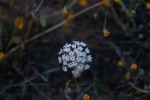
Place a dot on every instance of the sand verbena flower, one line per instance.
(76, 57)
(83, 3)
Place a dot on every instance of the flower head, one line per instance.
(106, 33)
(19, 22)
(83, 3)
(65, 12)
(148, 5)
(133, 66)
(106, 3)
(133, 13)
(86, 96)
(120, 63)
(75, 56)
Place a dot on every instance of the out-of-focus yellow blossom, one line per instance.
(133, 13)
(121, 63)
(127, 76)
(2, 56)
(86, 97)
(19, 22)
(83, 3)
(106, 3)
(133, 66)
(106, 33)
(70, 17)
(148, 5)
(65, 12)
(117, 1)
(66, 25)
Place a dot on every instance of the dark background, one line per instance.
(30, 69)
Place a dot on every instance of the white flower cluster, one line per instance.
(75, 56)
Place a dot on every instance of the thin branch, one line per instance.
(38, 7)
(35, 87)
(117, 18)
(10, 41)
(116, 49)
(5, 88)
(29, 28)
(39, 74)
(31, 21)
(44, 73)
(54, 27)
(138, 89)
(105, 20)
(128, 14)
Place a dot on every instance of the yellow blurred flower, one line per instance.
(19, 22)
(66, 25)
(83, 3)
(2, 56)
(148, 5)
(86, 97)
(65, 12)
(106, 3)
(133, 13)
(117, 1)
(121, 63)
(106, 33)
(70, 17)
(127, 76)
(133, 66)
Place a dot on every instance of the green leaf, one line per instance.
(123, 96)
(65, 9)
(42, 20)
(82, 83)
